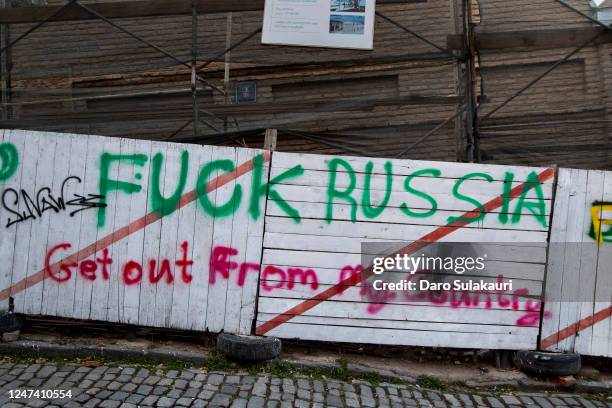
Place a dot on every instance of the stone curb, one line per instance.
(111, 352)
(159, 354)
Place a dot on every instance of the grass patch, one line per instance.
(432, 383)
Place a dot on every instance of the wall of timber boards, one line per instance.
(90, 58)
(565, 118)
(115, 230)
(170, 235)
(579, 281)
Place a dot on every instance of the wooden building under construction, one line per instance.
(522, 82)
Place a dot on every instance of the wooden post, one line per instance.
(270, 140)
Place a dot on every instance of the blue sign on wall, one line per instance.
(246, 91)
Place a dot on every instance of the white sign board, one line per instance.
(320, 23)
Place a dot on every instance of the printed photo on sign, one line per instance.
(354, 6)
(342, 24)
(320, 23)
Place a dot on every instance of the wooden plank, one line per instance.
(202, 244)
(101, 286)
(281, 288)
(59, 224)
(393, 215)
(509, 252)
(475, 329)
(572, 253)
(532, 39)
(338, 260)
(8, 237)
(24, 229)
(601, 340)
(118, 251)
(150, 8)
(406, 233)
(184, 291)
(247, 239)
(147, 315)
(418, 312)
(423, 182)
(422, 338)
(89, 220)
(222, 236)
(138, 205)
(556, 254)
(444, 201)
(588, 265)
(169, 241)
(403, 167)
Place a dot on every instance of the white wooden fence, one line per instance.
(579, 279)
(416, 199)
(183, 236)
(144, 259)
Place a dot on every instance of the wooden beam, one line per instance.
(140, 8)
(42, 119)
(539, 39)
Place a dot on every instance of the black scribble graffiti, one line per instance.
(44, 201)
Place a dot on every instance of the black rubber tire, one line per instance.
(548, 364)
(10, 322)
(248, 348)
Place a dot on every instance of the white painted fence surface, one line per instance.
(163, 253)
(141, 260)
(579, 279)
(312, 249)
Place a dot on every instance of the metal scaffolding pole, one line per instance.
(194, 61)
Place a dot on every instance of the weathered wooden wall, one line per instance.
(165, 253)
(564, 118)
(90, 58)
(202, 249)
(579, 277)
(323, 249)
(144, 259)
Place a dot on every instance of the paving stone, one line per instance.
(191, 392)
(199, 403)
(334, 401)
(143, 372)
(114, 386)
(144, 389)
(303, 394)
(140, 387)
(215, 379)
(119, 396)
(229, 389)
(166, 402)
(184, 402)
(151, 380)
(159, 390)
(543, 402)
(260, 389)
(174, 393)
(206, 395)
(109, 404)
(221, 400)
(239, 403)
(135, 399)
(149, 401)
(46, 371)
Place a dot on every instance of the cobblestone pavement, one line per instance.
(135, 386)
